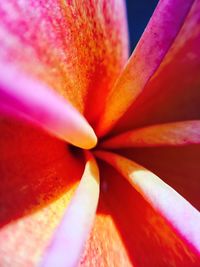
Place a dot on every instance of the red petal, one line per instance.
(38, 175)
(167, 134)
(78, 48)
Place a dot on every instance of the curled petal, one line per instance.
(168, 134)
(24, 97)
(69, 240)
(155, 43)
(181, 215)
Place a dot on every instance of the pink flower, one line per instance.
(74, 112)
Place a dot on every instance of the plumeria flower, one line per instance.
(82, 126)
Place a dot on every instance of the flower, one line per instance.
(63, 80)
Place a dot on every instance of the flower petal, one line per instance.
(43, 107)
(68, 45)
(182, 216)
(172, 93)
(159, 36)
(69, 240)
(38, 177)
(105, 246)
(168, 134)
(178, 166)
(129, 232)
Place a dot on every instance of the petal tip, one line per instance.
(91, 140)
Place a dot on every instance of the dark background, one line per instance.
(139, 13)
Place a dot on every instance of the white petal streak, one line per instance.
(23, 97)
(68, 242)
(168, 134)
(178, 211)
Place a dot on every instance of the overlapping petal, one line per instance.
(67, 45)
(128, 232)
(178, 166)
(162, 75)
(172, 94)
(167, 134)
(76, 47)
(34, 102)
(182, 216)
(69, 240)
(37, 182)
(79, 49)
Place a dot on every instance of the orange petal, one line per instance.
(36, 103)
(128, 232)
(69, 239)
(168, 134)
(159, 36)
(76, 47)
(181, 215)
(172, 93)
(38, 177)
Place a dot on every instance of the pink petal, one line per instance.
(77, 48)
(69, 240)
(182, 216)
(172, 93)
(155, 43)
(34, 101)
(168, 134)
